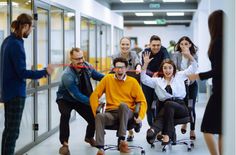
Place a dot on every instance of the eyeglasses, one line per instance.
(78, 59)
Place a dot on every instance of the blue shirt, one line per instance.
(13, 73)
(69, 89)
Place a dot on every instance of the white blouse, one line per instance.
(176, 83)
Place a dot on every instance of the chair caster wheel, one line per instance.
(152, 145)
(192, 144)
(189, 150)
(164, 150)
(142, 152)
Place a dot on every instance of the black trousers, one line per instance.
(85, 111)
(169, 111)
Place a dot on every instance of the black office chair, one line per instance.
(179, 121)
(131, 125)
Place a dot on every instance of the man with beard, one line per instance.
(122, 94)
(13, 75)
(73, 93)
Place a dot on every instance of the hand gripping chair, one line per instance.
(178, 121)
(131, 125)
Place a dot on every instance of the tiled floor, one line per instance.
(79, 147)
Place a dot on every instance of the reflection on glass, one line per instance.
(84, 37)
(18, 7)
(55, 114)
(42, 111)
(56, 42)
(42, 40)
(69, 22)
(26, 132)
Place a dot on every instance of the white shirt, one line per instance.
(176, 83)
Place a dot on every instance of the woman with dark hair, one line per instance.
(182, 63)
(170, 90)
(13, 75)
(212, 119)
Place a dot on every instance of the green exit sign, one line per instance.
(154, 5)
(161, 21)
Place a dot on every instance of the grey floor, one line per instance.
(79, 147)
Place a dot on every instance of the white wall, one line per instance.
(92, 9)
(165, 33)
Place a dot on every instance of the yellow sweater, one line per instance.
(117, 91)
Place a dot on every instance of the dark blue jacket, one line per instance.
(70, 87)
(13, 73)
(155, 64)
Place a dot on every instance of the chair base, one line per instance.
(132, 147)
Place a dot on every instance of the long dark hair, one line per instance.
(215, 24)
(193, 49)
(18, 24)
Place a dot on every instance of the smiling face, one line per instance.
(77, 58)
(155, 46)
(120, 70)
(168, 70)
(124, 45)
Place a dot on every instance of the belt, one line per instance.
(175, 99)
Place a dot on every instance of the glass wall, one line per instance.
(3, 33)
(117, 35)
(49, 42)
(56, 41)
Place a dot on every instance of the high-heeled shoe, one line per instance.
(183, 129)
(165, 142)
(192, 135)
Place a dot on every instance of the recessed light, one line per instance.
(175, 13)
(150, 22)
(144, 14)
(173, 1)
(131, 1)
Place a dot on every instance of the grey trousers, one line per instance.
(122, 115)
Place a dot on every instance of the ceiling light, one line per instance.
(173, 0)
(175, 13)
(144, 14)
(131, 1)
(5, 3)
(150, 22)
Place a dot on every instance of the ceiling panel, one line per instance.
(157, 7)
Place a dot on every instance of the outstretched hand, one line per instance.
(193, 77)
(146, 59)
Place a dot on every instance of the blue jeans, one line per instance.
(13, 114)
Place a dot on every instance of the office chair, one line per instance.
(178, 121)
(131, 125)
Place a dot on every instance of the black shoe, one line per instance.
(130, 138)
(151, 136)
(137, 127)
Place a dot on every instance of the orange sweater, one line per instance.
(117, 91)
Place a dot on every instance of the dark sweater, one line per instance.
(13, 69)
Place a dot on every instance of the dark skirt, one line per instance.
(212, 119)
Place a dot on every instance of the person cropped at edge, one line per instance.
(158, 53)
(182, 63)
(73, 93)
(122, 94)
(212, 119)
(171, 91)
(133, 64)
(13, 75)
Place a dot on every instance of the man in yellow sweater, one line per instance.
(122, 93)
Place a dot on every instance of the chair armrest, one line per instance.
(100, 108)
(137, 109)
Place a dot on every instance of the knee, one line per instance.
(168, 104)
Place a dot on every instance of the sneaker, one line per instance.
(130, 138)
(64, 150)
(123, 147)
(100, 152)
(91, 141)
(137, 127)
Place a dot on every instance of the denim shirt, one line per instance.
(68, 89)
